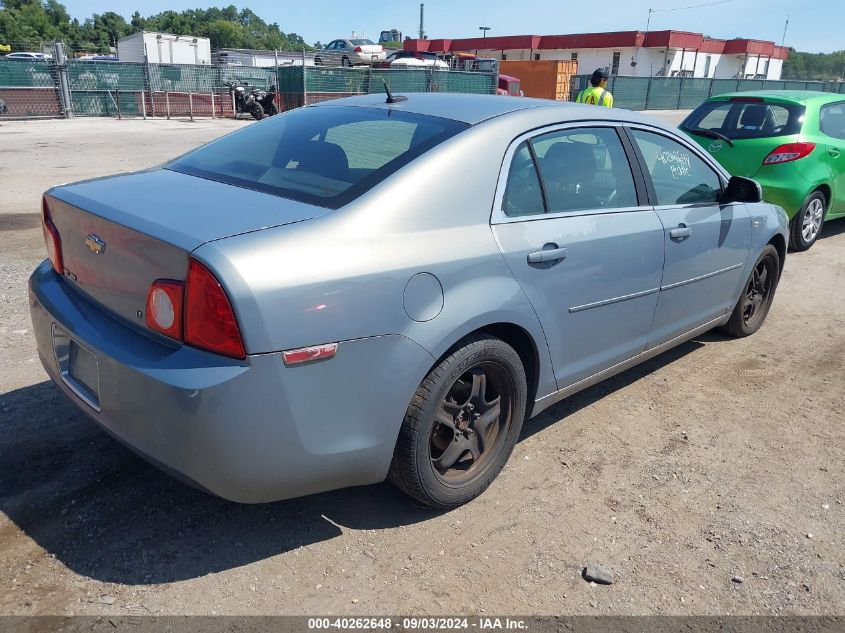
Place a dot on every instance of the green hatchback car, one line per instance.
(791, 142)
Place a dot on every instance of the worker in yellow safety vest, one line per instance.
(597, 93)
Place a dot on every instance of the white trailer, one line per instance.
(164, 48)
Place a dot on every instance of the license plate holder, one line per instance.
(78, 367)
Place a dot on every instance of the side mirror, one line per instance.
(741, 189)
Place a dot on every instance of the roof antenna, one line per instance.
(390, 97)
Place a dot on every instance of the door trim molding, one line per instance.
(678, 284)
(606, 302)
(546, 401)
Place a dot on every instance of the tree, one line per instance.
(223, 34)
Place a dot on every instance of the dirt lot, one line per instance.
(709, 480)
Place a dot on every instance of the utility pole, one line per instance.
(484, 30)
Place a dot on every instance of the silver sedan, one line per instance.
(376, 288)
(353, 52)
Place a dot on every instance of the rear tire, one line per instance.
(346, 63)
(757, 295)
(807, 224)
(462, 424)
(272, 110)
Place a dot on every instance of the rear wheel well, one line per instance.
(524, 345)
(825, 189)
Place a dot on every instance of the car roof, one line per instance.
(797, 96)
(475, 108)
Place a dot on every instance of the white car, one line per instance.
(27, 56)
(411, 61)
(352, 52)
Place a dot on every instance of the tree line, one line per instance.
(25, 24)
(816, 66)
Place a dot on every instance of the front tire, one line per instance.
(462, 424)
(806, 226)
(757, 295)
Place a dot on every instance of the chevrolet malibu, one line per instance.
(379, 288)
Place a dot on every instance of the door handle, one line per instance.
(550, 253)
(680, 233)
(833, 152)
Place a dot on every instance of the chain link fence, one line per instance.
(125, 89)
(685, 93)
(29, 89)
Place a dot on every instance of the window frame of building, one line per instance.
(615, 61)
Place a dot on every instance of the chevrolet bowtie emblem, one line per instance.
(96, 245)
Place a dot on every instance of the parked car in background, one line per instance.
(791, 142)
(413, 59)
(295, 308)
(352, 52)
(27, 56)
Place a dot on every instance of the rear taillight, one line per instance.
(51, 238)
(358, 49)
(789, 152)
(209, 320)
(164, 307)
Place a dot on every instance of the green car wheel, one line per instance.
(805, 227)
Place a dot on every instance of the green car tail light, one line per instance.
(789, 152)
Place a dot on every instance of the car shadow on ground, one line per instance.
(106, 514)
(832, 228)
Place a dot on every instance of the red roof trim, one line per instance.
(618, 39)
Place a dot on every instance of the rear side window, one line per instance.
(832, 120)
(746, 119)
(678, 175)
(325, 156)
(523, 195)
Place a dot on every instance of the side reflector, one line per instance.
(164, 307)
(51, 238)
(306, 354)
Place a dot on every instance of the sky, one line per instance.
(814, 25)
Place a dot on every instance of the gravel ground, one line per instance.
(706, 481)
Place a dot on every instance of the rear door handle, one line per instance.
(680, 233)
(550, 253)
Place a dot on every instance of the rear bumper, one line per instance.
(250, 431)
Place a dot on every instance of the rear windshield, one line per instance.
(362, 42)
(326, 155)
(746, 119)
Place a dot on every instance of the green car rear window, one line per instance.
(326, 156)
(746, 119)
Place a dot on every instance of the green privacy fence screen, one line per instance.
(672, 93)
(87, 88)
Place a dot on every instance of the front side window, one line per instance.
(832, 120)
(326, 155)
(679, 175)
(585, 168)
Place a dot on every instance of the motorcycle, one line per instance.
(256, 102)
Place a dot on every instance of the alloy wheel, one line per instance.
(811, 222)
(471, 424)
(757, 291)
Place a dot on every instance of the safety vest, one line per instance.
(596, 96)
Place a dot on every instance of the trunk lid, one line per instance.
(120, 233)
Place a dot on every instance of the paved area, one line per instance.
(709, 480)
